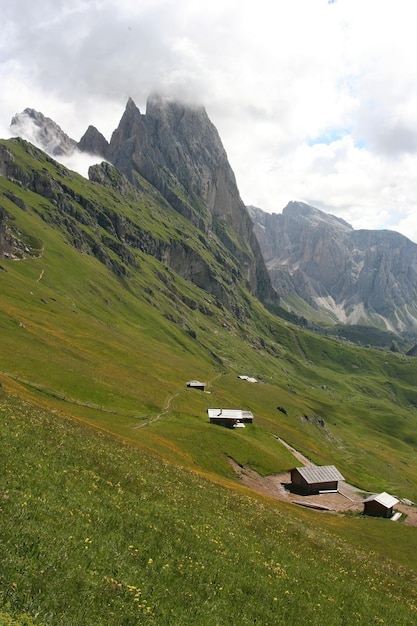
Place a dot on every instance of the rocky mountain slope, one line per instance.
(178, 151)
(346, 275)
(319, 265)
(43, 132)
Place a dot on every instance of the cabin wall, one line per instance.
(227, 423)
(376, 509)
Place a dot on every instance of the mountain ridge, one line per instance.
(43, 131)
(320, 266)
(177, 149)
(349, 276)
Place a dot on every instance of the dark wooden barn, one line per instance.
(315, 478)
(380, 505)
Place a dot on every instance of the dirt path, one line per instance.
(167, 404)
(298, 455)
(165, 410)
(298, 344)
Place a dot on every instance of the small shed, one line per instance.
(229, 417)
(380, 505)
(195, 384)
(315, 478)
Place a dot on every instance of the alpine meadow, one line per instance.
(120, 503)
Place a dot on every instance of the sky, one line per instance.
(314, 100)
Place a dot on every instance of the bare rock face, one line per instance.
(412, 352)
(6, 161)
(358, 276)
(5, 240)
(178, 150)
(47, 135)
(42, 131)
(15, 243)
(94, 142)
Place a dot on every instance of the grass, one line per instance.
(96, 532)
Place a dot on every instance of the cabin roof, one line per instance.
(319, 473)
(225, 413)
(383, 498)
(232, 414)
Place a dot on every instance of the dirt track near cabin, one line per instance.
(348, 498)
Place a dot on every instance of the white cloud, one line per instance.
(80, 162)
(314, 100)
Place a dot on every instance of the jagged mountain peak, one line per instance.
(189, 130)
(94, 142)
(130, 127)
(311, 215)
(177, 149)
(130, 105)
(43, 132)
(174, 112)
(131, 114)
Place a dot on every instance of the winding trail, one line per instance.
(167, 405)
(298, 344)
(165, 410)
(60, 396)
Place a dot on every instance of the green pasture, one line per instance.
(95, 531)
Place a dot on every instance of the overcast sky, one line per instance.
(314, 100)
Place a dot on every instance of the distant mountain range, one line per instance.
(315, 264)
(344, 275)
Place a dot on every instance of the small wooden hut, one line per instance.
(380, 505)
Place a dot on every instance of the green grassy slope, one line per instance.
(114, 349)
(96, 532)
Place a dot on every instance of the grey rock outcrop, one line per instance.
(5, 242)
(94, 142)
(43, 132)
(177, 149)
(412, 352)
(353, 276)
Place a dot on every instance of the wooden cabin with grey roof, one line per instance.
(315, 478)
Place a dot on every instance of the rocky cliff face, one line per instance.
(5, 243)
(42, 131)
(178, 151)
(94, 142)
(354, 276)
